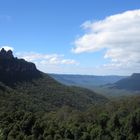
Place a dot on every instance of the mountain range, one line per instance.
(35, 87)
(86, 80)
(130, 83)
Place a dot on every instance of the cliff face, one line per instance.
(13, 69)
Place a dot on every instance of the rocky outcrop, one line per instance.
(14, 70)
(6, 54)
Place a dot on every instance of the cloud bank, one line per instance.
(118, 34)
(46, 59)
(52, 63)
(49, 63)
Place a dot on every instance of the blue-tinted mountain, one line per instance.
(130, 83)
(87, 81)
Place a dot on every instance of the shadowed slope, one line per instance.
(130, 83)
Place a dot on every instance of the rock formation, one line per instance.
(13, 69)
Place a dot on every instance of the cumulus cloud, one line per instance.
(118, 34)
(47, 59)
(52, 63)
(7, 48)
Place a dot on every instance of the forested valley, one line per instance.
(34, 106)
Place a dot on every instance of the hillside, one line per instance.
(33, 87)
(23, 117)
(131, 83)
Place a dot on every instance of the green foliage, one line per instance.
(46, 110)
(1, 135)
(66, 123)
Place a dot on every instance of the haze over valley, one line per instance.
(69, 70)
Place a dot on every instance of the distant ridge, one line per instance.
(13, 69)
(130, 83)
(87, 81)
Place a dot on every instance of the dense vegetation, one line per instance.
(115, 120)
(34, 100)
(36, 107)
(46, 94)
(43, 109)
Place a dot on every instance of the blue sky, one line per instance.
(46, 32)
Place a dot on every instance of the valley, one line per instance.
(39, 106)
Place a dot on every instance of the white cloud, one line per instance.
(49, 63)
(52, 63)
(7, 48)
(118, 34)
(47, 59)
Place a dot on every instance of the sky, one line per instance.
(93, 37)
